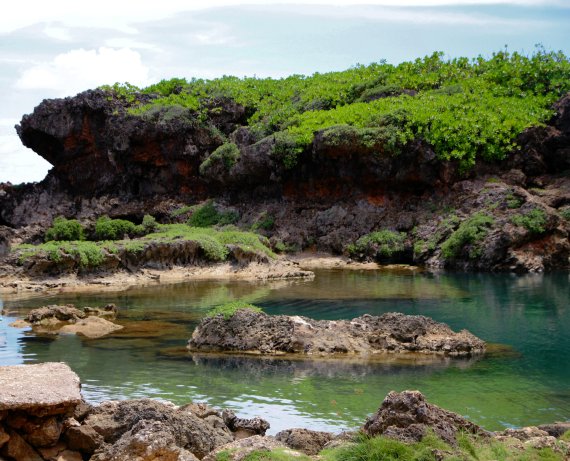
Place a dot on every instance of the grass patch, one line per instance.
(265, 222)
(383, 243)
(470, 232)
(533, 221)
(90, 254)
(229, 309)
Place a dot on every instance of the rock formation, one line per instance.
(258, 333)
(87, 321)
(107, 161)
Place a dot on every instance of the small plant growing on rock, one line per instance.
(229, 309)
(207, 215)
(225, 156)
(264, 222)
(64, 229)
(534, 221)
(383, 243)
(565, 214)
(113, 229)
(470, 232)
(148, 225)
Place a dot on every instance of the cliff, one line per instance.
(130, 155)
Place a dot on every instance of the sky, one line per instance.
(59, 48)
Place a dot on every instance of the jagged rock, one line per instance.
(243, 428)
(254, 332)
(407, 416)
(146, 441)
(52, 453)
(39, 390)
(82, 411)
(68, 313)
(114, 419)
(305, 440)
(83, 438)
(17, 448)
(239, 449)
(555, 429)
(43, 432)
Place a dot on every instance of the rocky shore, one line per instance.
(43, 418)
(249, 332)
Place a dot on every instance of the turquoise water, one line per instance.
(525, 381)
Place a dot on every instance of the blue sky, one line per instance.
(58, 48)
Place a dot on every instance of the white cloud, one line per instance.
(58, 33)
(122, 15)
(78, 70)
(19, 164)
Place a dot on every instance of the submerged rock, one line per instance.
(87, 321)
(407, 416)
(258, 333)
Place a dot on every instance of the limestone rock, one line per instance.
(83, 438)
(114, 419)
(40, 390)
(243, 428)
(256, 332)
(44, 432)
(19, 449)
(407, 416)
(91, 327)
(305, 440)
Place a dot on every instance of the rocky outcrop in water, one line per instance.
(252, 332)
(91, 322)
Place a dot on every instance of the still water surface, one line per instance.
(524, 382)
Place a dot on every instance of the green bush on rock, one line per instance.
(113, 229)
(470, 232)
(383, 243)
(533, 221)
(225, 156)
(64, 229)
(207, 215)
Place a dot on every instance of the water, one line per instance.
(525, 381)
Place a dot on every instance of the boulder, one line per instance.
(39, 390)
(243, 428)
(112, 420)
(305, 440)
(17, 448)
(256, 332)
(407, 416)
(83, 438)
(91, 327)
(555, 429)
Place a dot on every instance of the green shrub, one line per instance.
(207, 215)
(225, 156)
(264, 222)
(533, 221)
(63, 229)
(514, 201)
(383, 243)
(113, 229)
(149, 224)
(288, 148)
(229, 309)
(182, 210)
(565, 214)
(90, 254)
(470, 232)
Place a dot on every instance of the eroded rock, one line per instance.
(239, 449)
(305, 440)
(407, 416)
(254, 332)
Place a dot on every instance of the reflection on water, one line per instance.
(523, 382)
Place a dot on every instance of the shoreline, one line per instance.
(298, 266)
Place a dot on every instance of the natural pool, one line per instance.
(526, 383)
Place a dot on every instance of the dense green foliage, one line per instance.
(64, 229)
(466, 109)
(215, 244)
(470, 232)
(113, 229)
(226, 156)
(229, 309)
(533, 221)
(207, 215)
(383, 243)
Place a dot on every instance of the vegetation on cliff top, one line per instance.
(466, 109)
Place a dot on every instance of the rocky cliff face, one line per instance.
(107, 161)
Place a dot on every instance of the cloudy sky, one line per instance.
(58, 48)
